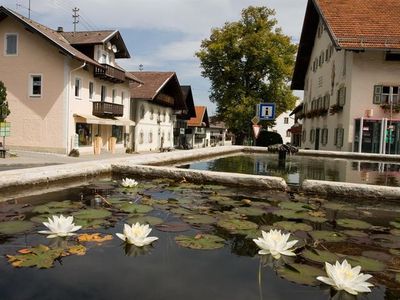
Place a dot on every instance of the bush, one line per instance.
(268, 138)
(74, 153)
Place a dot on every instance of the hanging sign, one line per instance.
(266, 111)
(256, 130)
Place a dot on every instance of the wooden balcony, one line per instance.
(109, 73)
(107, 109)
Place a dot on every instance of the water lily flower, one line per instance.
(344, 277)
(129, 183)
(60, 226)
(275, 243)
(137, 235)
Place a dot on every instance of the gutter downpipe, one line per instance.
(69, 140)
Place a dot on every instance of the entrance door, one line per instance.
(317, 138)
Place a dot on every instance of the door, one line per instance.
(317, 138)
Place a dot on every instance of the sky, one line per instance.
(161, 35)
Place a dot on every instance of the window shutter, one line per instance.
(377, 94)
(312, 135)
(342, 96)
(335, 138)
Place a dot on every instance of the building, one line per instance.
(182, 118)
(153, 109)
(283, 123)
(297, 128)
(197, 134)
(64, 88)
(218, 132)
(348, 65)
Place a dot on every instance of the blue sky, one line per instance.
(163, 35)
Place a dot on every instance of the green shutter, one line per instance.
(335, 139)
(341, 98)
(377, 94)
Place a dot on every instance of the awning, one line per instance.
(90, 119)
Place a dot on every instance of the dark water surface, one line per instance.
(298, 168)
(166, 270)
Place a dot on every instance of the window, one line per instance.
(141, 137)
(169, 136)
(103, 93)
(304, 136)
(339, 133)
(122, 98)
(288, 133)
(164, 116)
(150, 137)
(324, 136)
(158, 116)
(312, 135)
(11, 44)
(341, 96)
(114, 94)
(84, 132)
(117, 132)
(286, 120)
(142, 112)
(35, 83)
(91, 90)
(78, 85)
(327, 99)
(386, 94)
(152, 114)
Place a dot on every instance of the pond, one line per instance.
(298, 168)
(205, 248)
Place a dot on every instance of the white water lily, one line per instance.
(344, 277)
(275, 243)
(60, 226)
(129, 183)
(137, 235)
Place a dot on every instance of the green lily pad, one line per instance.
(224, 201)
(395, 224)
(386, 240)
(328, 236)
(40, 218)
(14, 227)
(92, 213)
(337, 206)
(134, 208)
(200, 241)
(91, 223)
(367, 264)
(355, 233)
(199, 219)
(301, 215)
(173, 227)
(293, 226)
(145, 220)
(353, 223)
(249, 211)
(381, 256)
(41, 257)
(181, 211)
(260, 204)
(296, 206)
(117, 200)
(301, 274)
(55, 207)
(319, 256)
(233, 225)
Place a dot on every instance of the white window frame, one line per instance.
(103, 96)
(30, 85)
(5, 43)
(79, 96)
(91, 93)
(286, 120)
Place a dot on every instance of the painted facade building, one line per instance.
(348, 65)
(197, 135)
(283, 123)
(64, 88)
(182, 118)
(154, 103)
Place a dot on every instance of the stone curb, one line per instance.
(351, 190)
(196, 176)
(350, 155)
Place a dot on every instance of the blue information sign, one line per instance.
(266, 111)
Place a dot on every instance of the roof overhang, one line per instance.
(90, 119)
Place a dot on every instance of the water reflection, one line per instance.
(132, 250)
(298, 168)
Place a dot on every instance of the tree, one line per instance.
(4, 111)
(248, 62)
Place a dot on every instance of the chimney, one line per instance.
(60, 29)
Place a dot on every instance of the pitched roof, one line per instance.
(352, 25)
(188, 96)
(201, 119)
(53, 36)
(153, 83)
(87, 37)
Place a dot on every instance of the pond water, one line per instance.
(364, 233)
(298, 168)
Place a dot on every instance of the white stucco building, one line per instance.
(348, 65)
(283, 123)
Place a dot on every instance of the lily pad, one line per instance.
(355, 233)
(296, 206)
(133, 208)
(367, 264)
(40, 218)
(301, 273)
(91, 223)
(224, 201)
(92, 213)
(381, 256)
(173, 227)
(353, 223)
(319, 256)
(79, 250)
(232, 225)
(14, 227)
(249, 211)
(395, 224)
(56, 207)
(301, 215)
(181, 211)
(200, 241)
(41, 257)
(293, 226)
(328, 236)
(145, 220)
(337, 206)
(199, 219)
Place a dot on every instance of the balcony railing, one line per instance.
(107, 109)
(200, 130)
(109, 73)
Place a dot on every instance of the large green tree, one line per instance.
(248, 62)
(4, 111)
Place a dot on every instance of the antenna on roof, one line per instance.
(75, 16)
(18, 5)
(141, 67)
